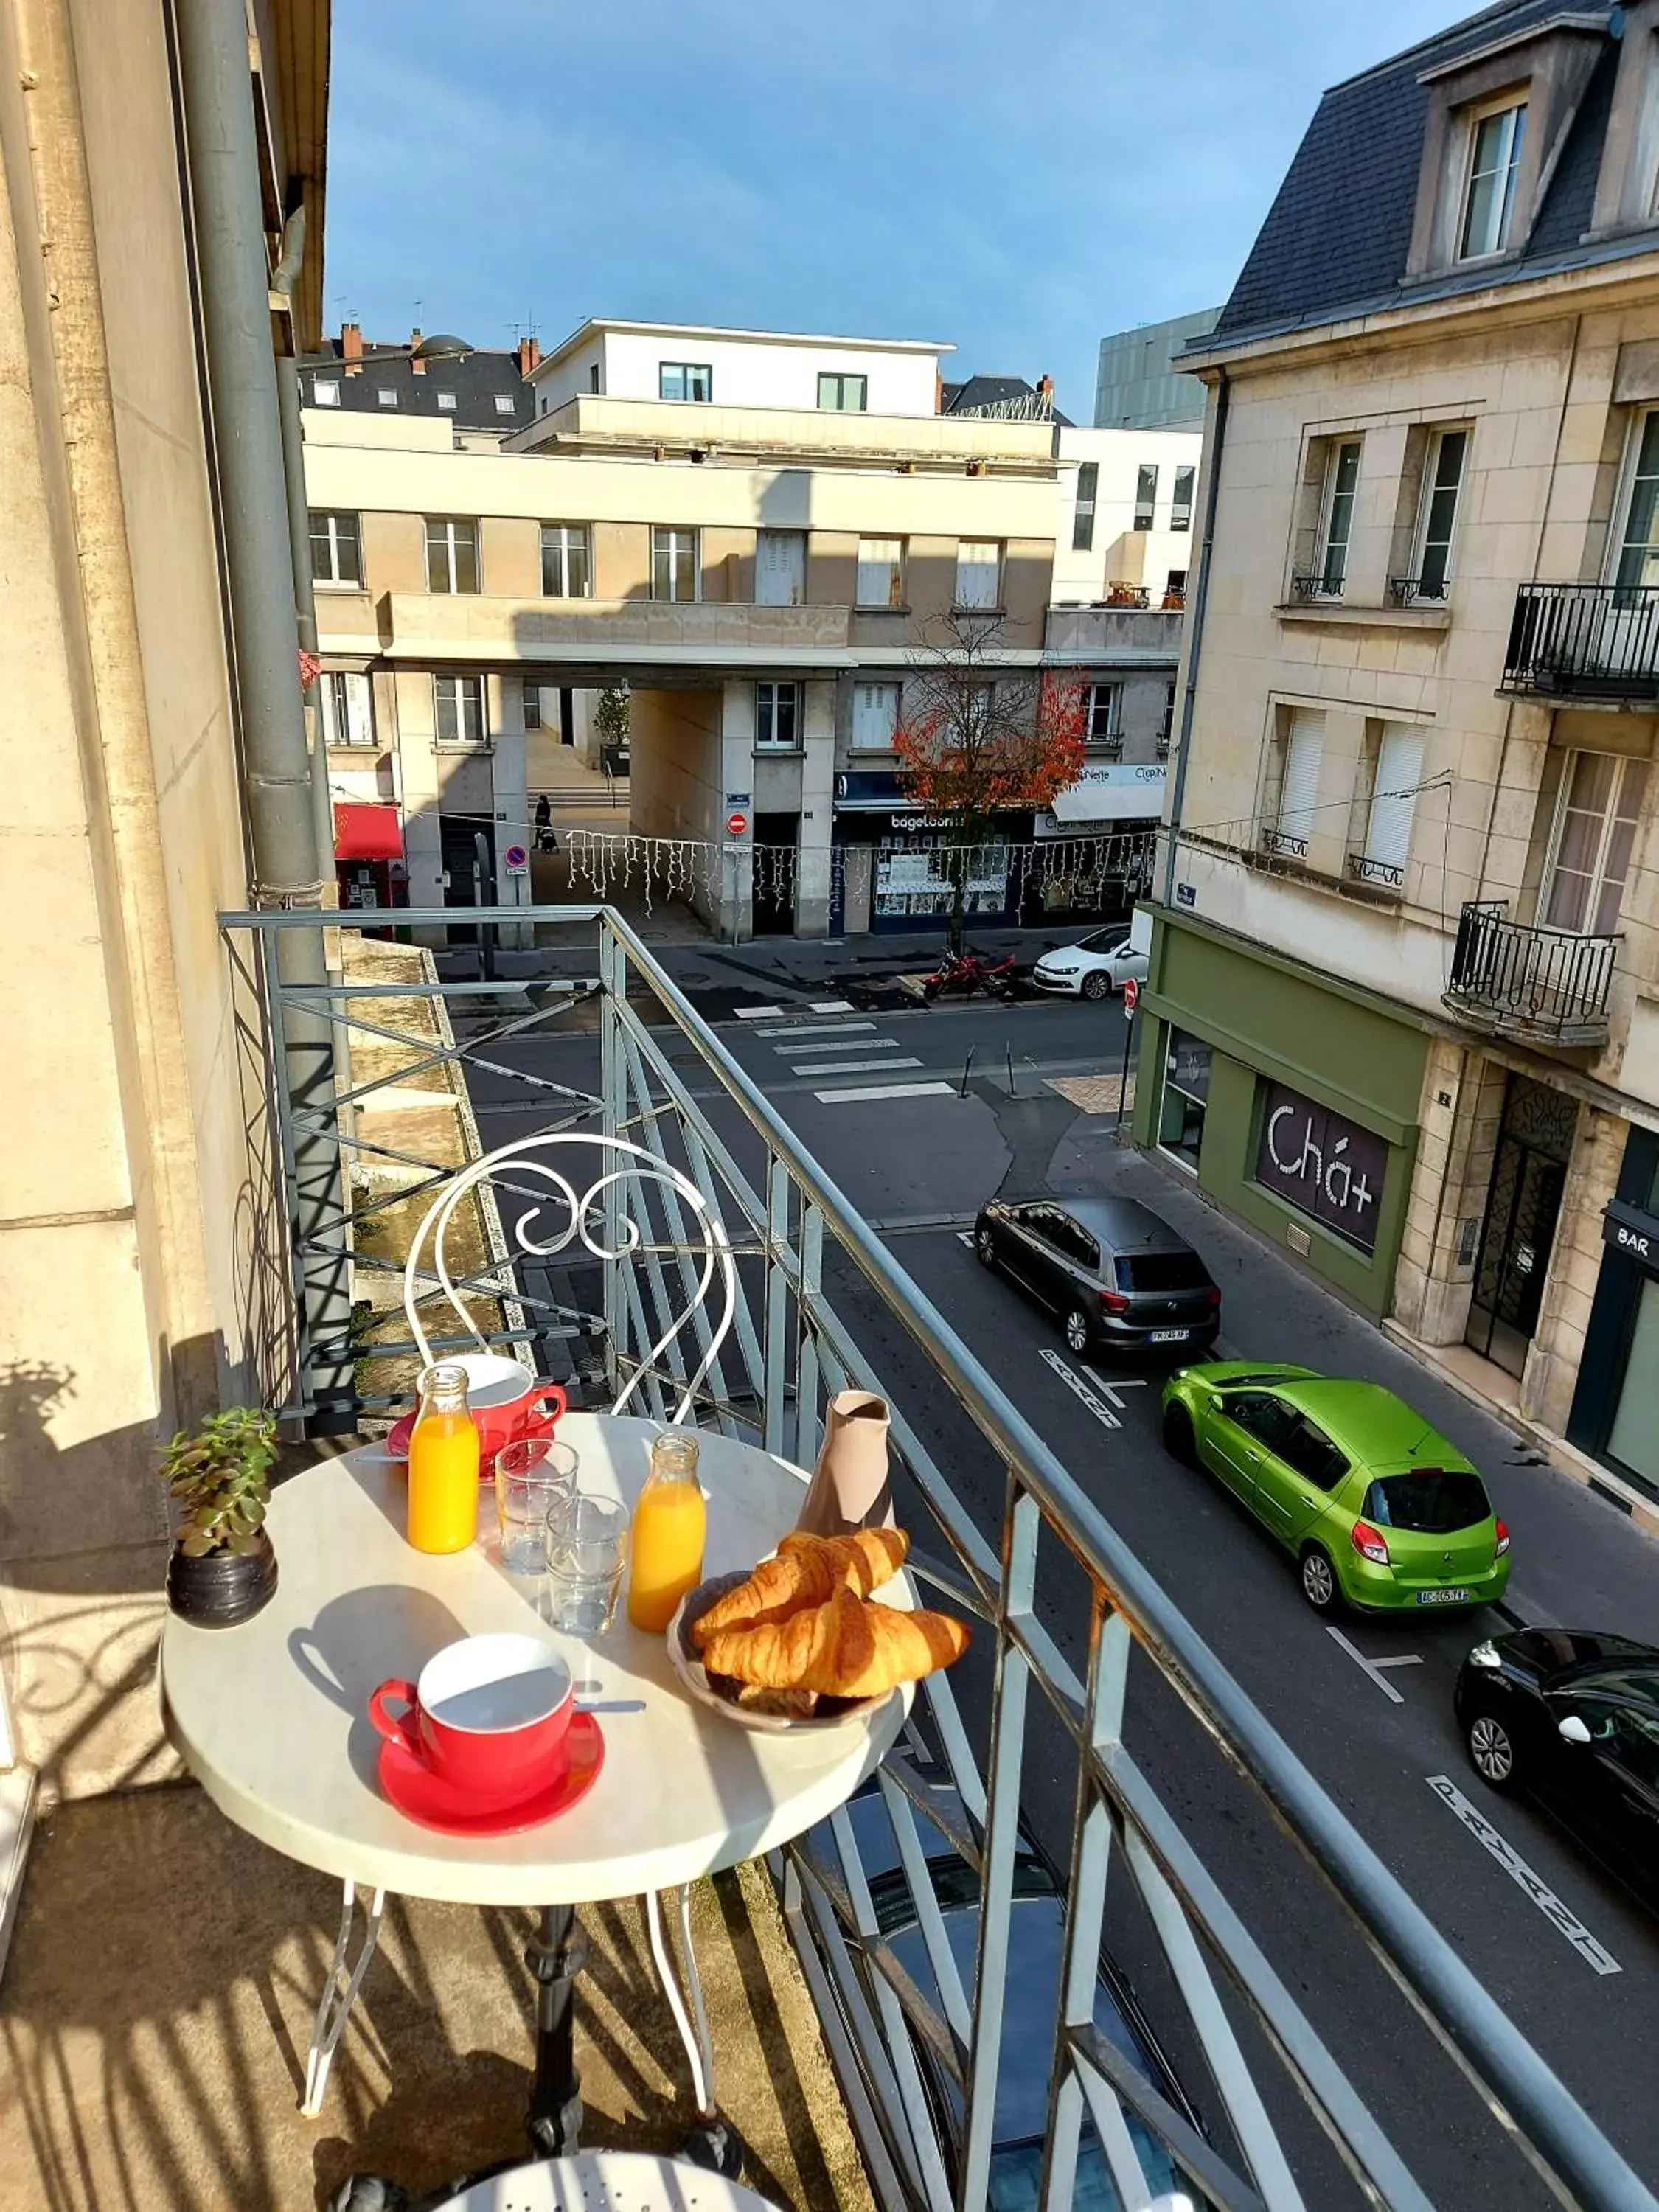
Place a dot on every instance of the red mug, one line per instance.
(506, 1404)
(489, 1716)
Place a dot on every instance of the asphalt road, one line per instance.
(1367, 1709)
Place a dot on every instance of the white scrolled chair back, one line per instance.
(632, 1164)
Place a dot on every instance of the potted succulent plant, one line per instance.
(222, 1570)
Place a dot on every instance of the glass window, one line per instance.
(1341, 481)
(1166, 728)
(1430, 1502)
(1310, 1452)
(979, 575)
(1633, 1439)
(1186, 1094)
(386, 395)
(1074, 1240)
(676, 571)
(566, 573)
(1595, 830)
(1146, 494)
(446, 403)
(1638, 550)
(594, 376)
(1104, 726)
(1260, 1414)
(777, 716)
(334, 558)
(505, 404)
(347, 708)
(1181, 503)
(881, 572)
(1162, 1271)
(458, 710)
(683, 379)
(1083, 517)
(846, 395)
(1489, 196)
(324, 392)
(1442, 481)
(452, 555)
(875, 716)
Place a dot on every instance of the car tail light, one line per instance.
(1113, 1302)
(1213, 1295)
(1503, 1538)
(1369, 1543)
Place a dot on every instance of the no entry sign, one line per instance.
(736, 824)
(1131, 994)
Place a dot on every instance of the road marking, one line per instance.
(1564, 1919)
(824, 1044)
(1374, 1667)
(855, 1066)
(832, 1006)
(1122, 1383)
(815, 1029)
(965, 1236)
(1074, 1382)
(884, 1090)
(762, 1013)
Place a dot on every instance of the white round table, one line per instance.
(607, 2181)
(272, 1717)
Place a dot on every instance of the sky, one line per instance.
(1018, 177)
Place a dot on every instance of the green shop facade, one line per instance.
(1293, 1098)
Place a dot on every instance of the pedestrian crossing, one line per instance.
(851, 1045)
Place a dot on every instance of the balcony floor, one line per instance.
(156, 2009)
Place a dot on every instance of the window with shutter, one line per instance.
(780, 568)
(1394, 798)
(875, 716)
(1298, 789)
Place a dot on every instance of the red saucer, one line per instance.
(422, 1796)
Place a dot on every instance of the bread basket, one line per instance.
(834, 1712)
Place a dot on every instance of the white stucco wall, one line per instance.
(749, 369)
(1119, 551)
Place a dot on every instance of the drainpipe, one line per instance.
(234, 280)
(304, 601)
(1195, 639)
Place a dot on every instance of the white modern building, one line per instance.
(697, 364)
(1126, 516)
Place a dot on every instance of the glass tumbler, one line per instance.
(532, 1474)
(587, 1554)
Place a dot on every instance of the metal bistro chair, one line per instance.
(631, 1165)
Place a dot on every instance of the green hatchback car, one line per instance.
(1377, 1507)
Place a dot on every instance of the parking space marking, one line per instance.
(965, 1236)
(1120, 1383)
(1562, 1916)
(1374, 1667)
(1075, 1383)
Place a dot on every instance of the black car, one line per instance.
(1572, 1719)
(1118, 1277)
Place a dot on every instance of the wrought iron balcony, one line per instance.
(1544, 986)
(1280, 844)
(1311, 584)
(1584, 641)
(1037, 1735)
(1381, 875)
(1418, 591)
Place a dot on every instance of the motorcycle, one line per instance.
(968, 972)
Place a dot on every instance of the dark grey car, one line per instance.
(1118, 1277)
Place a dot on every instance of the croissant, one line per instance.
(845, 1648)
(807, 1570)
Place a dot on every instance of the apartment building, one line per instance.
(1140, 384)
(1405, 977)
(757, 533)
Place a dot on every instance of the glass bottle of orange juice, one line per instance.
(670, 1525)
(443, 1464)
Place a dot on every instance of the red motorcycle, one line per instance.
(968, 972)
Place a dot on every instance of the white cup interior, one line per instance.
(492, 1685)
(493, 1381)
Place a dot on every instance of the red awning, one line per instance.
(364, 832)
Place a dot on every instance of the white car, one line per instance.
(1098, 964)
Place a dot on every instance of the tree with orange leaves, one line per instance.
(979, 738)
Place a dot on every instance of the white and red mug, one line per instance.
(506, 1404)
(489, 1716)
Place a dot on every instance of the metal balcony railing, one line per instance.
(1046, 1709)
(1545, 986)
(1418, 591)
(1584, 640)
(1381, 875)
(1310, 585)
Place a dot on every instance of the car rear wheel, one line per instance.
(985, 1247)
(1098, 984)
(1077, 1331)
(1492, 1751)
(1319, 1584)
(1178, 1439)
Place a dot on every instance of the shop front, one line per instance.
(368, 856)
(1293, 1102)
(891, 866)
(1615, 1408)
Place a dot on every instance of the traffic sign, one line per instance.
(737, 824)
(517, 857)
(1131, 998)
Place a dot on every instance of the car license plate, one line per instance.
(1443, 1597)
(1168, 1335)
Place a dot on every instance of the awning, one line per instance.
(1115, 792)
(365, 832)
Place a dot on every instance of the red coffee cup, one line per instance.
(506, 1404)
(489, 1716)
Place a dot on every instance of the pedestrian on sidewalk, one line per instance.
(545, 840)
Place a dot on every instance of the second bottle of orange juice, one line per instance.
(443, 1464)
(671, 1524)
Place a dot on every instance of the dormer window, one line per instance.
(1495, 144)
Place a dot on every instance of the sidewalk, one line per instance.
(1579, 1562)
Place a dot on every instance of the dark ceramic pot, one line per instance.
(221, 1588)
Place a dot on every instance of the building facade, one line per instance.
(758, 535)
(1140, 384)
(1405, 977)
